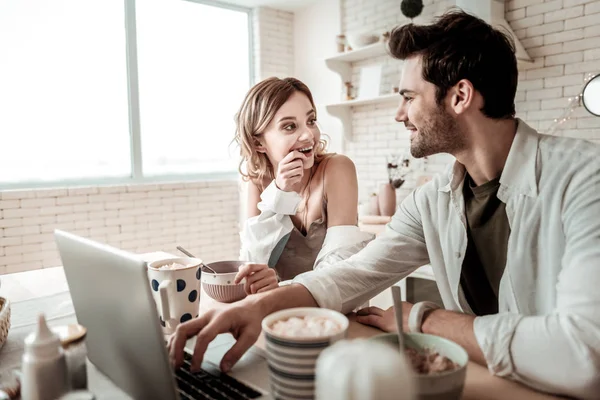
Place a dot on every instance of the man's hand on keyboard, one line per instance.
(242, 320)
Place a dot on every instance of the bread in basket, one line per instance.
(4, 320)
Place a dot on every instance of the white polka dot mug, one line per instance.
(175, 284)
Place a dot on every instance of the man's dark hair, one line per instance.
(461, 46)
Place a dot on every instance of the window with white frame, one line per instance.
(119, 90)
(193, 73)
(63, 90)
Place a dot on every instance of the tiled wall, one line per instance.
(203, 217)
(563, 36)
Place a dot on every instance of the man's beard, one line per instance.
(438, 134)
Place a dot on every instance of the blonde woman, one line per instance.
(302, 201)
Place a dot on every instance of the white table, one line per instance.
(46, 291)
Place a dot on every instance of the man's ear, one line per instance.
(462, 96)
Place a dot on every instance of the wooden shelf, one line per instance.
(372, 50)
(384, 98)
(343, 110)
(341, 64)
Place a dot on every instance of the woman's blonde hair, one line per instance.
(256, 113)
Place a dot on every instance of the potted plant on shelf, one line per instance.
(398, 166)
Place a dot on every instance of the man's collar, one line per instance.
(456, 175)
(518, 175)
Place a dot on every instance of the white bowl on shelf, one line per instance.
(356, 40)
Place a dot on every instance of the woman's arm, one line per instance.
(343, 238)
(341, 191)
(263, 233)
(253, 199)
(259, 277)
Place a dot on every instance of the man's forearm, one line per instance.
(456, 327)
(289, 296)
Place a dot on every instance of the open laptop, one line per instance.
(112, 299)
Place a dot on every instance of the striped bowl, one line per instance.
(220, 286)
(292, 361)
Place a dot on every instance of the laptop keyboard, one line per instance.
(210, 383)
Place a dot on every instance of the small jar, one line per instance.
(72, 338)
(43, 364)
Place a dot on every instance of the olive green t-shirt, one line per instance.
(487, 232)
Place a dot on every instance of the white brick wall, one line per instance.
(201, 217)
(375, 133)
(273, 43)
(565, 48)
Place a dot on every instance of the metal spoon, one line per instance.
(398, 311)
(187, 253)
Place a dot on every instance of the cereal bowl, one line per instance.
(447, 385)
(220, 286)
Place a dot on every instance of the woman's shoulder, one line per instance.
(334, 163)
(339, 172)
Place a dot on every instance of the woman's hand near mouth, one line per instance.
(290, 171)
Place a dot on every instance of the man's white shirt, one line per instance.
(547, 331)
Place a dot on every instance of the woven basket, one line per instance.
(4, 320)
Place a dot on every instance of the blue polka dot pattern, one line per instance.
(193, 296)
(186, 317)
(180, 285)
(155, 285)
(198, 274)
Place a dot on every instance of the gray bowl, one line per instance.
(437, 386)
(220, 286)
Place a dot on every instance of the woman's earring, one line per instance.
(259, 147)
